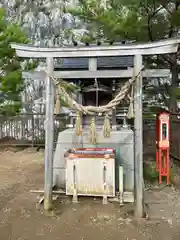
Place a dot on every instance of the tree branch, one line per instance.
(150, 16)
(163, 96)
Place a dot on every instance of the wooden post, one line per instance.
(114, 123)
(49, 137)
(92, 64)
(121, 185)
(92, 67)
(139, 182)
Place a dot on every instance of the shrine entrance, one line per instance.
(131, 90)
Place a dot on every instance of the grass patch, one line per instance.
(152, 176)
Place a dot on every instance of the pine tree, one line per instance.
(141, 21)
(11, 81)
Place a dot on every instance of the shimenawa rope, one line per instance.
(94, 110)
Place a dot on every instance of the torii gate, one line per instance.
(92, 52)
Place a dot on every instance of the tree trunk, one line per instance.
(173, 106)
(174, 85)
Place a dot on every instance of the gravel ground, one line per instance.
(22, 219)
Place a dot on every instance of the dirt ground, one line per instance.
(21, 218)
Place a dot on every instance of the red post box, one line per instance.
(162, 146)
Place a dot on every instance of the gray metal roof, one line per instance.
(102, 63)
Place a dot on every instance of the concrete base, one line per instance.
(122, 140)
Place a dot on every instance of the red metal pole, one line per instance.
(157, 159)
(168, 168)
(160, 166)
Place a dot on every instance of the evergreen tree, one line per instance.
(140, 21)
(11, 81)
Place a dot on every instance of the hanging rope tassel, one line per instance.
(58, 104)
(106, 127)
(130, 113)
(92, 131)
(78, 125)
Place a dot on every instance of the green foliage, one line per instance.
(139, 20)
(10, 108)
(113, 22)
(172, 176)
(11, 81)
(152, 176)
(70, 89)
(177, 93)
(150, 173)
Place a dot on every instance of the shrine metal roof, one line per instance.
(102, 63)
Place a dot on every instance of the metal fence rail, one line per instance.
(28, 130)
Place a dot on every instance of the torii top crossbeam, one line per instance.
(160, 47)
